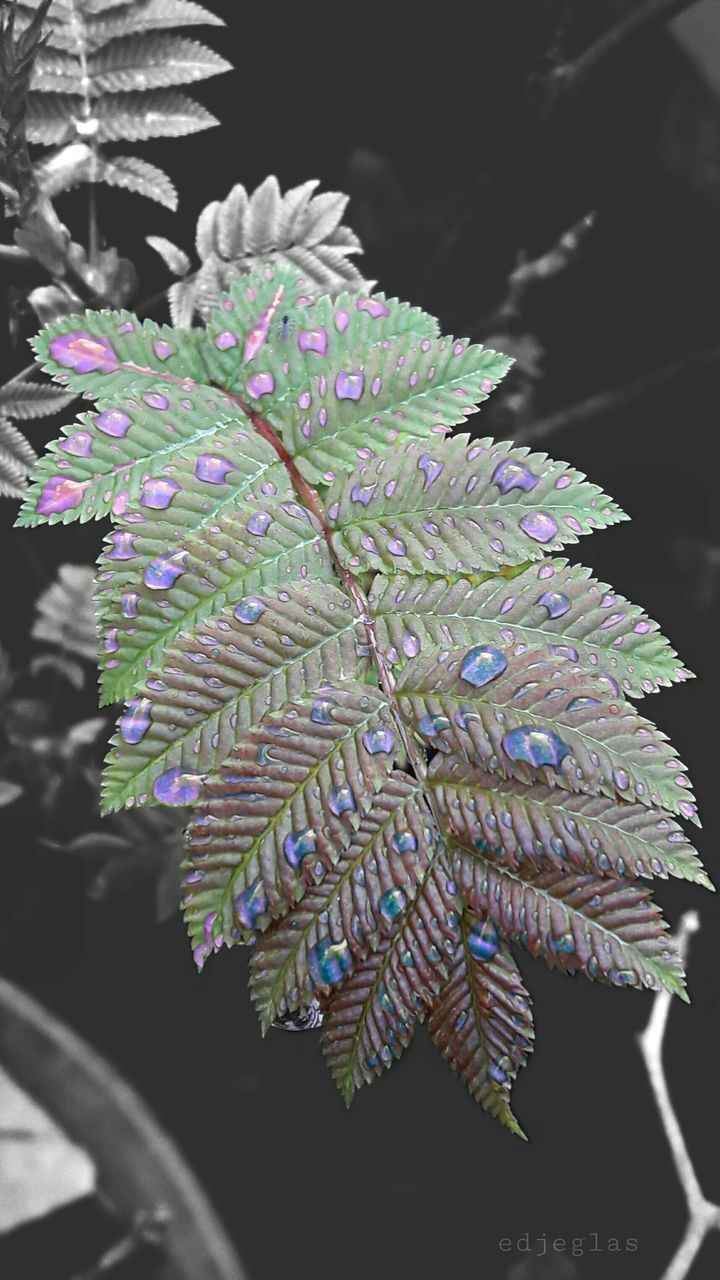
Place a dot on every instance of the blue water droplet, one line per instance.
(258, 524)
(322, 711)
(177, 786)
(404, 842)
(535, 746)
(379, 740)
(482, 664)
(622, 977)
(251, 904)
(483, 941)
(497, 1074)
(461, 1020)
(297, 845)
(555, 602)
(392, 904)
(342, 800)
(249, 609)
(430, 726)
(563, 943)
(135, 721)
(579, 704)
(329, 961)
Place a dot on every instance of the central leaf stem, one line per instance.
(311, 500)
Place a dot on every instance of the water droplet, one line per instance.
(481, 665)
(79, 444)
(122, 545)
(329, 961)
(483, 940)
(379, 740)
(258, 524)
(129, 604)
(212, 468)
(404, 842)
(392, 904)
(396, 547)
(562, 943)
(158, 493)
(514, 475)
(374, 307)
(177, 786)
(362, 493)
(165, 570)
(249, 609)
(135, 721)
(313, 340)
(260, 384)
(540, 526)
(350, 386)
(226, 339)
(251, 904)
(81, 351)
(322, 711)
(297, 845)
(580, 703)
(410, 644)
(60, 494)
(555, 602)
(342, 800)
(535, 746)
(432, 469)
(156, 401)
(621, 779)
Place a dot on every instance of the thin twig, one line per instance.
(584, 411)
(654, 13)
(703, 1215)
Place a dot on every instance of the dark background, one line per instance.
(407, 107)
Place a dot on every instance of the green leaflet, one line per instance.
(257, 830)
(102, 462)
(610, 930)
(548, 827)
(556, 725)
(483, 1026)
(217, 681)
(399, 390)
(268, 338)
(461, 506)
(112, 353)
(380, 868)
(554, 604)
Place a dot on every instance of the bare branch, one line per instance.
(703, 1215)
(584, 411)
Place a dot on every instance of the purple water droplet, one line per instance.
(113, 422)
(260, 384)
(110, 643)
(555, 602)
(156, 400)
(80, 444)
(540, 526)
(404, 842)
(60, 494)
(249, 609)
(79, 350)
(481, 665)
(177, 786)
(374, 307)
(251, 904)
(431, 468)
(580, 703)
(226, 339)
(258, 524)
(158, 493)
(122, 545)
(362, 493)
(410, 644)
(621, 779)
(313, 340)
(379, 741)
(342, 800)
(342, 320)
(509, 474)
(298, 845)
(135, 721)
(642, 627)
(163, 350)
(322, 711)
(396, 547)
(212, 469)
(129, 605)
(163, 571)
(350, 386)
(535, 746)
